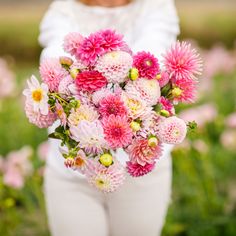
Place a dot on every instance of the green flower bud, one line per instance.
(133, 74)
(106, 159)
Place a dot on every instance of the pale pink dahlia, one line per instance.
(112, 104)
(91, 49)
(90, 81)
(184, 90)
(136, 170)
(105, 179)
(172, 130)
(52, 73)
(115, 66)
(147, 90)
(146, 64)
(36, 118)
(64, 84)
(90, 136)
(100, 94)
(72, 43)
(140, 152)
(117, 131)
(166, 105)
(181, 60)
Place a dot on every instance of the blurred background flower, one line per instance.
(204, 177)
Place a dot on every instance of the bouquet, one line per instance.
(108, 98)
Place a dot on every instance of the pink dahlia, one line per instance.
(184, 90)
(182, 61)
(52, 73)
(115, 66)
(64, 84)
(117, 131)
(36, 118)
(164, 79)
(140, 152)
(112, 104)
(136, 170)
(100, 94)
(172, 130)
(112, 41)
(72, 43)
(91, 49)
(166, 105)
(105, 179)
(90, 81)
(146, 64)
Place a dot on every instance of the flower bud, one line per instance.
(135, 126)
(106, 159)
(152, 141)
(66, 61)
(69, 162)
(133, 74)
(164, 113)
(74, 72)
(158, 76)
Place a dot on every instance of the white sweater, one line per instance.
(150, 25)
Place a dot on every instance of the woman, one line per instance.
(139, 207)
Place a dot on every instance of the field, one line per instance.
(204, 177)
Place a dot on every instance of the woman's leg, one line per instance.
(139, 207)
(74, 208)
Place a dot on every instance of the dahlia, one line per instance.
(90, 81)
(136, 170)
(117, 131)
(166, 105)
(163, 79)
(148, 90)
(90, 49)
(72, 43)
(64, 84)
(37, 95)
(100, 94)
(38, 119)
(112, 41)
(182, 61)
(52, 73)
(140, 152)
(172, 130)
(146, 64)
(115, 66)
(84, 112)
(112, 104)
(89, 135)
(184, 90)
(105, 179)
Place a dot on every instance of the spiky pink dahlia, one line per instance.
(105, 179)
(184, 90)
(90, 81)
(52, 73)
(182, 61)
(36, 118)
(91, 49)
(72, 43)
(147, 65)
(172, 130)
(115, 66)
(140, 152)
(136, 170)
(117, 131)
(112, 104)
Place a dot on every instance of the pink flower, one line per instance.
(184, 90)
(90, 81)
(228, 140)
(146, 64)
(64, 84)
(105, 179)
(166, 105)
(117, 131)
(52, 73)
(136, 170)
(91, 49)
(115, 66)
(141, 153)
(164, 79)
(100, 94)
(43, 150)
(72, 42)
(112, 104)
(36, 118)
(172, 130)
(182, 61)
(61, 114)
(231, 120)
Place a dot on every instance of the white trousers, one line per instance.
(138, 208)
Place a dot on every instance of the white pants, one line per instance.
(138, 208)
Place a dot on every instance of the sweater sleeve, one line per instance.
(158, 26)
(56, 23)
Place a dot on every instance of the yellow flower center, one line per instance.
(176, 92)
(37, 95)
(134, 105)
(79, 162)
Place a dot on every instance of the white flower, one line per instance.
(36, 94)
